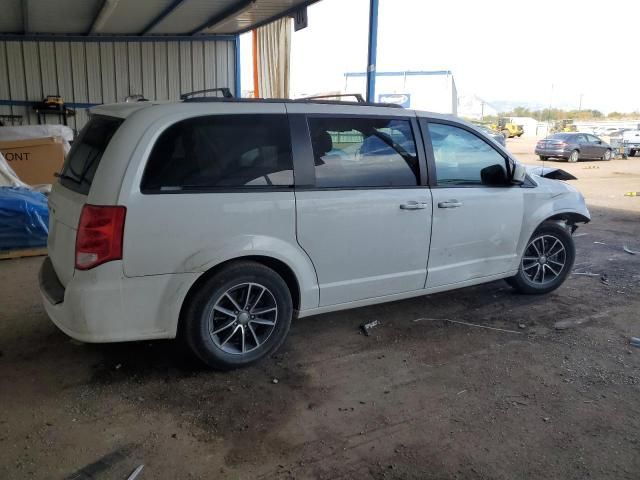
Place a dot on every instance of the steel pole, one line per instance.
(372, 55)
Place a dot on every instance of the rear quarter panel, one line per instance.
(175, 233)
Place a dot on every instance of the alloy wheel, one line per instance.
(544, 259)
(574, 156)
(243, 318)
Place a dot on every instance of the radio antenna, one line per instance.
(548, 122)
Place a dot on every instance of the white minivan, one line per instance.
(219, 220)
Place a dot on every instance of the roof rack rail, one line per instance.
(191, 96)
(357, 96)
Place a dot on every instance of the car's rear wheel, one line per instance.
(607, 155)
(547, 260)
(574, 156)
(238, 316)
(632, 153)
(543, 158)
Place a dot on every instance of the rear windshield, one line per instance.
(83, 159)
(560, 136)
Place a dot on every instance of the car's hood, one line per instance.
(552, 173)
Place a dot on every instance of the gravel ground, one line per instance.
(421, 398)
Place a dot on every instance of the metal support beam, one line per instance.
(10, 37)
(373, 45)
(238, 79)
(107, 9)
(233, 10)
(161, 16)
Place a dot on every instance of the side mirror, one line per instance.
(518, 173)
(494, 175)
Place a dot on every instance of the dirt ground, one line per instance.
(421, 398)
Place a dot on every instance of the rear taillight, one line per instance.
(99, 237)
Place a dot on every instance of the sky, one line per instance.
(537, 53)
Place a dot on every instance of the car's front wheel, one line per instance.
(574, 156)
(607, 155)
(547, 260)
(238, 316)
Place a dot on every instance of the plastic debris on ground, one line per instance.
(634, 342)
(24, 218)
(367, 327)
(632, 252)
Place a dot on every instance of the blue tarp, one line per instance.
(24, 218)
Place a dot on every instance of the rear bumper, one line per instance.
(549, 152)
(101, 305)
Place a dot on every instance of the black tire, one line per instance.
(552, 232)
(632, 153)
(199, 316)
(574, 156)
(543, 158)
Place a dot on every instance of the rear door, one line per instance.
(362, 205)
(69, 195)
(476, 223)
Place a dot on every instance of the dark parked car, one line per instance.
(573, 147)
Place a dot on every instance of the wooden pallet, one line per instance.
(27, 252)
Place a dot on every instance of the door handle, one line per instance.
(450, 204)
(413, 206)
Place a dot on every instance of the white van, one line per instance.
(219, 220)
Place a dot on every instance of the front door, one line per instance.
(596, 148)
(365, 221)
(476, 220)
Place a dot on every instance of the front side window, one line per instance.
(354, 152)
(221, 152)
(462, 158)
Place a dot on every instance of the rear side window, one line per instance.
(363, 152)
(82, 162)
(221, 152)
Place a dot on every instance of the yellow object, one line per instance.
(564, 126)
(507, 128)
(632, 194)
(53, 100)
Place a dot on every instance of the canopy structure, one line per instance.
(141, 17)
(100, 51)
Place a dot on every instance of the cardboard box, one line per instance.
(35, 160)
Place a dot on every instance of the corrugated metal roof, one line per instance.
(141, 17)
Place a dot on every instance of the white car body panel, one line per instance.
(362, 243)
(477, 239)
(346, 248)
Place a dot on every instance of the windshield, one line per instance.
(82, 162)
